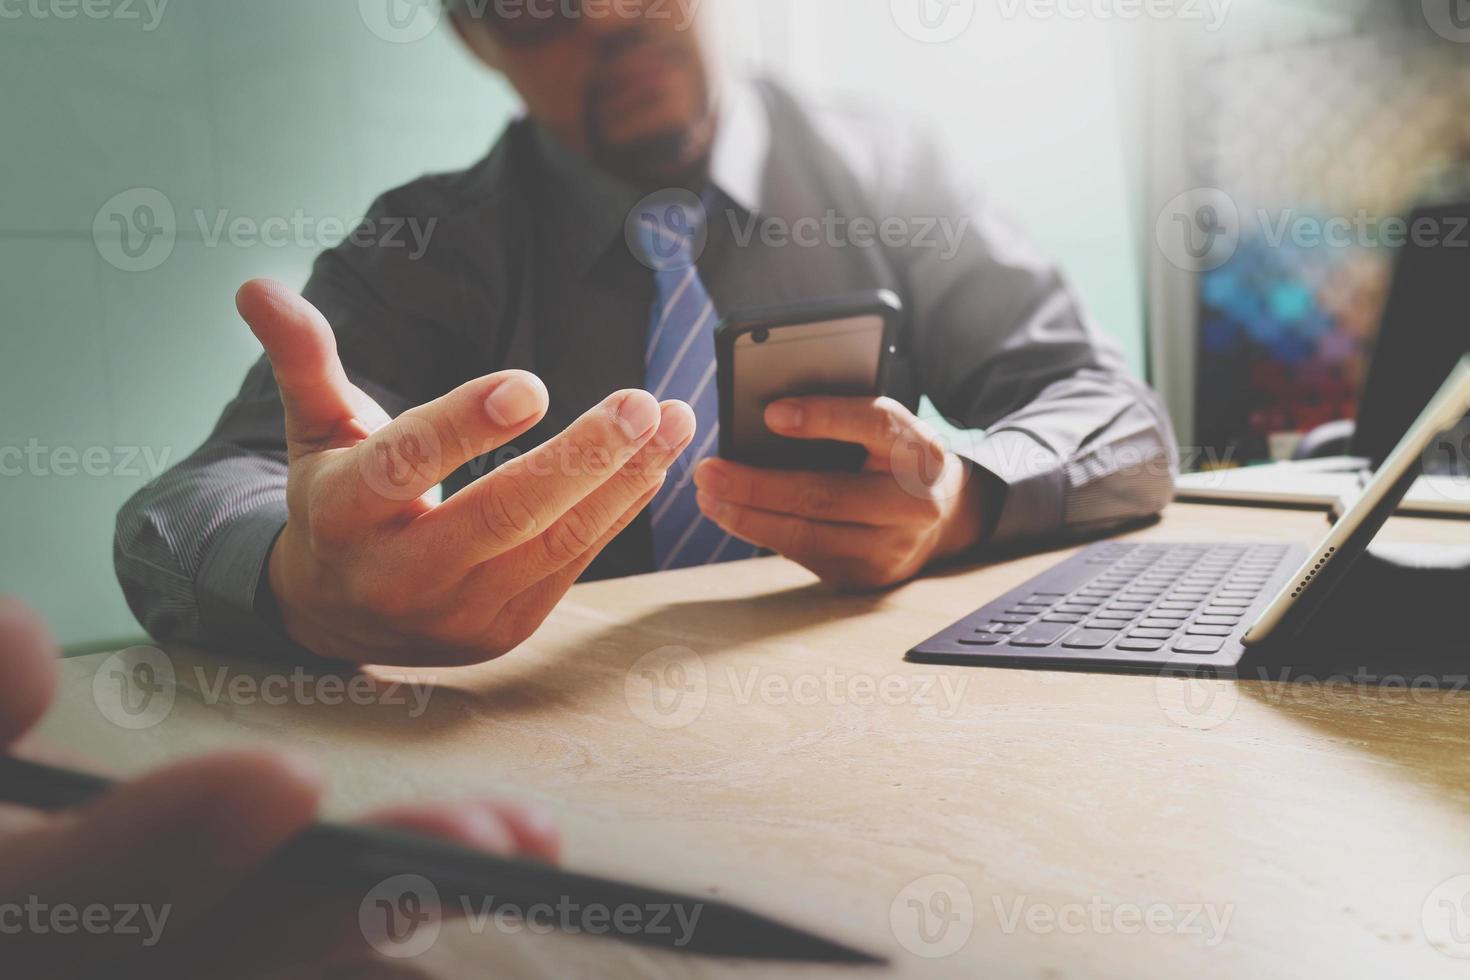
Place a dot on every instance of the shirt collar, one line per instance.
(591, 206)
(742, 147)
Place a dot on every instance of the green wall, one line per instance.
(257, 111)
(301, 111)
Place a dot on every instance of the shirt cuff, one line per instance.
(1033, 501)
(228, 584)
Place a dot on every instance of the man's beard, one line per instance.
(674, 156)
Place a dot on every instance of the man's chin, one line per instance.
(668, 156)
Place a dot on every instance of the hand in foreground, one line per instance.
(369, 570)
(160, 874)
(912, 504)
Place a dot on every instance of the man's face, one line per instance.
(625, 82)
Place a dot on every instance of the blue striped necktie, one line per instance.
(680, 362)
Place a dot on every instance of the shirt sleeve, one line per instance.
(191, 548)
(999, 341)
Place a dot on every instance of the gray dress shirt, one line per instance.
(527, 266)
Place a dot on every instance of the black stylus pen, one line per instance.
(360, 858)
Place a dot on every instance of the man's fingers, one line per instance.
(173, 843)
(801, 540)
(873, 423)
(853, 498)
(420, 449)
(498, 828)
(521, 499)
(28, 664)
(536, 603)
(584, 527)
(319, 398)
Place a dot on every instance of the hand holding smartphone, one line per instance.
(825, 347)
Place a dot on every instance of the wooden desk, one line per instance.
(810, 772)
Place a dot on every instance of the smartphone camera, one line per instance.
(760, 336)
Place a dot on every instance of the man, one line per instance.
(305, 520)
(182, 849)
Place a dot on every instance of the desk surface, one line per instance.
(742, 731)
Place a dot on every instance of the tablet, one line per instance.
(1330, 561)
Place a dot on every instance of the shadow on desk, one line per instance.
(1407, 727)
(582, 659)
(604, 657)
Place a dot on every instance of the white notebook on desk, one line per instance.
(1324, 483)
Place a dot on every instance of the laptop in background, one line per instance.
(1424, 331)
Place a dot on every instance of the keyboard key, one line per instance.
(1061, 618)
(1160, 624)
(1004, 628)
(1213, 610)
(1230, 603)
(1199, 644)
(1235, 594)
(1198, 630)
(982, 640)
(1127, 607)
(1045, 599)
(1028, 610)
(1140, 646)
(1177, 605)
(1019, 620)
(1040, 635)
(1143, 634)
(1090, 639)
(1069, 608)
(1217, 620)
(1117, 625)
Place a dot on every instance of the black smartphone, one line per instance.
(836, 346)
